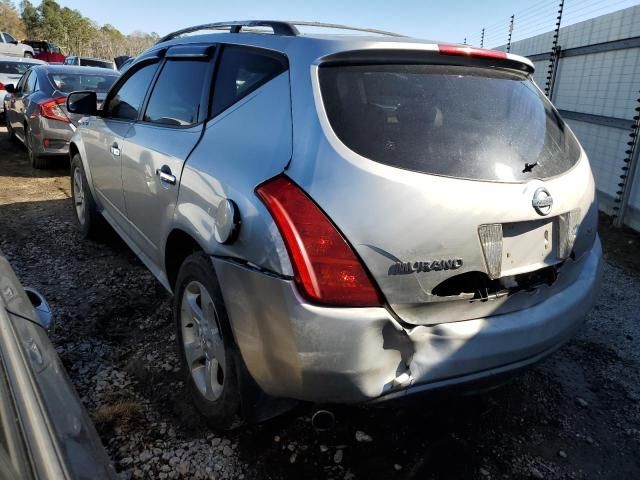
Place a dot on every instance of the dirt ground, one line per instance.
(575, 415)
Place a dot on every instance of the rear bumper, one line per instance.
(297, 350)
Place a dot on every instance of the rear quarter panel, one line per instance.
(242, 147)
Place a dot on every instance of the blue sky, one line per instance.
(448, 20)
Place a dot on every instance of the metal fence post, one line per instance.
(554, 56)
(482, 39)
(628, 170)
(510, 33)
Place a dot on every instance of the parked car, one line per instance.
(36, 113)
(11, 47)
(90, 62)
(342, 218)
(46, 432)
(47, 51)
(11, 69)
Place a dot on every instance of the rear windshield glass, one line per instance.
(87, 62)
(67, 82)
(462, 122)
(15, 68)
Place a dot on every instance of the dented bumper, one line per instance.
(297, 350)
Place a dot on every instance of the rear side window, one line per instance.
(463, 122)
(176, 97)
(126, 101)
(240, 72)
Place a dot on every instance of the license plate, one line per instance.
(529, 246)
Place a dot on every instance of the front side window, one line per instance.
(127, 100)
(8, 38)
(176, 97)
(463, 122)
(240, 72)
(30, 85)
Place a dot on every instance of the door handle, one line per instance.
(166, 176)
(115, 150)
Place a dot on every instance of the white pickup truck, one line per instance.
(12, 47)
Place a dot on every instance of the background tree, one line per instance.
(75, 33)
(10, 20)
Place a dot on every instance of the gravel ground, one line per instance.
(575, 415)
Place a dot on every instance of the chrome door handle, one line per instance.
(115, 150)
(166, 176)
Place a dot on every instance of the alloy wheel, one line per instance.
(78, 195)
(202, 341)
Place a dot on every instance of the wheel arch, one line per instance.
(179, 245)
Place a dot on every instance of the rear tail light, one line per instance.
(491, 241)
(466, 51)
(326, 269)
(53, 109)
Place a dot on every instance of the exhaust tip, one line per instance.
(323, 420)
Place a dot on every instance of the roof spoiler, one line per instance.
(431, 54)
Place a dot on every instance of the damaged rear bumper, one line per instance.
(297, 350)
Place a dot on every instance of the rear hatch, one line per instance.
(455, 180)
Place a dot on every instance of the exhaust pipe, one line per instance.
(323, 420)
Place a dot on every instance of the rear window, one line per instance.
(87, 62)
(15, 68)
(67, 82)
(483, 124)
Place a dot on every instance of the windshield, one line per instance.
(68, 82)
(463, 122)
(15, 68)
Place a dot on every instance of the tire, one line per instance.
(37, 161)
(10, 132)
(28, 55)
(209, 357)
(89, 219)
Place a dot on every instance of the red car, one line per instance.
(46, 51)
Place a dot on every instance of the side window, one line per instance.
(8, 38)
(126, 101)
(240, 72)
(31, 83)
(176, 96)
(21, 82)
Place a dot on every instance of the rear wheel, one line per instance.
(37, 161)
(208, 353)
(89, 218)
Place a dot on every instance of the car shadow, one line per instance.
(15, 163)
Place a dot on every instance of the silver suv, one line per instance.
(342, 218)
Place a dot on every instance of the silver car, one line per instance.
(90, 62)
(46, 432)
(36, 113)
(342, 218)
(13, 48)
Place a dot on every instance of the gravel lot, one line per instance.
(576, 415)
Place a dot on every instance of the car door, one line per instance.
(25, 88)
(156, 147)
(103, 139)
(4, 50)
(11, 45)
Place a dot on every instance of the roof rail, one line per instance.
(279, 28)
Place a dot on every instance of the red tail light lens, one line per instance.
(466, 51)
(326, 269)
(52, 109)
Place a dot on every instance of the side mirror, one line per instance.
(15, 42)
(83, 103)
(42, 308)
(10, 88)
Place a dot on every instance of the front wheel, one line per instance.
(28, 55)
(89, 218)
(208, 353)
